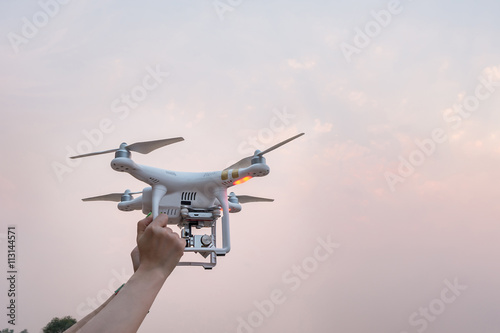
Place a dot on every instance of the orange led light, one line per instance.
(242, 180)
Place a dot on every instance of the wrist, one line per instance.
(154, 274)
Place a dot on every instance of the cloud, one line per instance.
(322, 127)
(345, 151)
(301, 65)
(197, 118)
(357, 97)
(492, 72)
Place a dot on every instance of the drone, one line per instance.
(191, 200)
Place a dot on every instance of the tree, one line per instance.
(6, 330)
(57, 325)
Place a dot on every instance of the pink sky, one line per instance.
(418, 254)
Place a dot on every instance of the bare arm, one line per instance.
(74, 329)
(160, 251)
(87, 318)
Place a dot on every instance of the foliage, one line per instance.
(6, 330)
(57, 325)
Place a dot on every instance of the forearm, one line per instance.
(87, 318)
(128, 308)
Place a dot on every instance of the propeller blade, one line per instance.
(247, 161)
(116, 197)
(279, 144)
(249, 198)
(148, 146)
(140, 147)
(243, 163)
(96, 153)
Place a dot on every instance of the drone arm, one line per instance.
(130, 205)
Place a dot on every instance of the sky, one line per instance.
(385, 216)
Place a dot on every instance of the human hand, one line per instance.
(136, 258)
(135, 254)
(160, 248)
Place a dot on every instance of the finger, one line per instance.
(172, 232)
(161, 220)
(142, 225)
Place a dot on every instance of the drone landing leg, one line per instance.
(158, 192)
(226, 238)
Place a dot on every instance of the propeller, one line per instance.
(116, 197)
(247, 161)
(247, 198)
(139, 147)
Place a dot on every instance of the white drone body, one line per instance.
(190, 199)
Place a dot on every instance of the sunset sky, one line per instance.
(385, 216)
